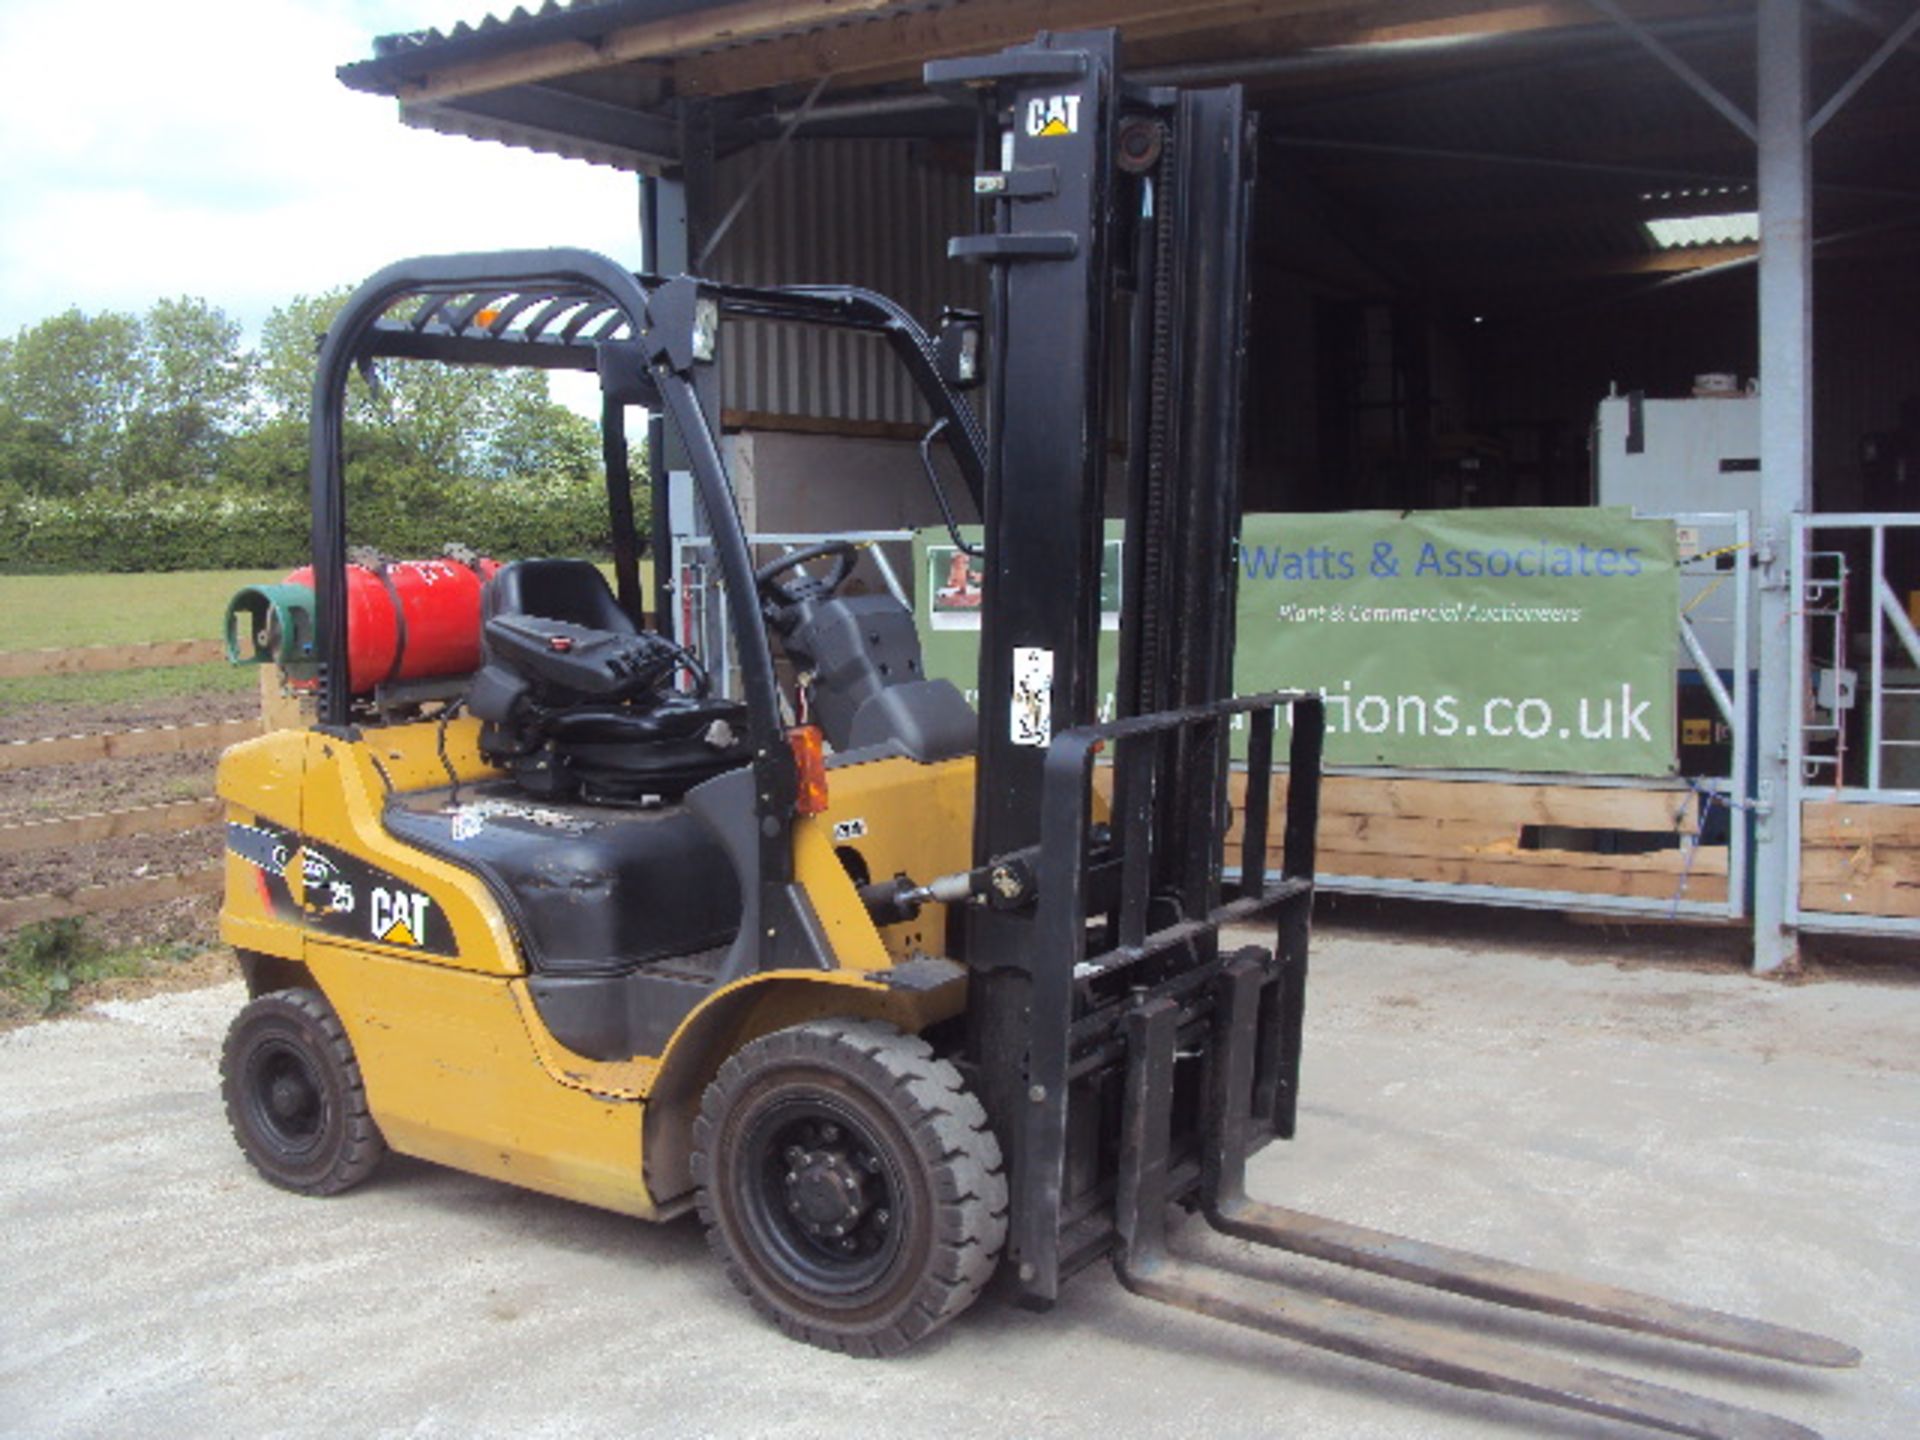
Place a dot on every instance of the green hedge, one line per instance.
(197, 530)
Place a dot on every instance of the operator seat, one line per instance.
(577, 700)
(869, 688)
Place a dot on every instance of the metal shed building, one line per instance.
(1454, 264)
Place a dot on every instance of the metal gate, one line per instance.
(1703, 874)
(1854, 787)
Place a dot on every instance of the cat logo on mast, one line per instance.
(1054, 115)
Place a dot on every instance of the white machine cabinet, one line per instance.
(1696, 455)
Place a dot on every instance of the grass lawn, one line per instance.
(38, 611)
(41, 610)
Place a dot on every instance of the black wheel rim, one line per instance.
(286, 1099)
(824, 1198)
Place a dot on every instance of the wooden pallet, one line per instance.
(1860, 859)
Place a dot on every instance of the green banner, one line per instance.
(1518, 639)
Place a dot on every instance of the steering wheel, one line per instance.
(778, 594)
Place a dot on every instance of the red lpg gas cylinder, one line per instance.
(410, 619)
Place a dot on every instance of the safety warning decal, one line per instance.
(1032, 708)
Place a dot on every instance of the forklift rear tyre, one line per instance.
(294, 1095)
(849, 1184)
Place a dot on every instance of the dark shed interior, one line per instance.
(1452, 260)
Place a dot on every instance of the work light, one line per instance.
(706, 327)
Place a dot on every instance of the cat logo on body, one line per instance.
(398, 917)
(1052, 115)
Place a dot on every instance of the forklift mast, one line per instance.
(1127, 1059)
(1103, 189)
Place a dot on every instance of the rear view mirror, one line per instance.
(957, 349)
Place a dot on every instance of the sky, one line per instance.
(152, 148)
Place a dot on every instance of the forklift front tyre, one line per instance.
(294, 1095)
(849, 1184)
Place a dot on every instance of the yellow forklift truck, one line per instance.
(904, 997)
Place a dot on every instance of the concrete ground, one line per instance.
(1748, 1145)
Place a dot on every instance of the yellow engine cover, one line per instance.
(423, 968)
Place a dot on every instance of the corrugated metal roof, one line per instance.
(1477, 164)
(454, 120)
(397, 58)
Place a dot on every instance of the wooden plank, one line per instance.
(1691, 257)
(891, 46)
(1573, 806)
(1461, 22)
(122, 895)
(90, 659)
(1578, 807)
(1846, 823)
(1411, 835)
(70, 830)
(1497, 842)
(820, 425)
(1467, 832)
(1707, 859)
(645, 40)
(1632, 883)
(1866, 896)
(1864, 863)
(126, 744)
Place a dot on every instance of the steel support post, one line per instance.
(675, 211)
(1786, 427)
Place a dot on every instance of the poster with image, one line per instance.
(955, 581)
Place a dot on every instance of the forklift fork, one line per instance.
(1234, 1097)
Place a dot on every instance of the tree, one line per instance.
(33, 459)
(289, 345)
(527, 433)
(172, 399)
(195, 394)
(68, 386)
(112, 401)
(425, 419)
